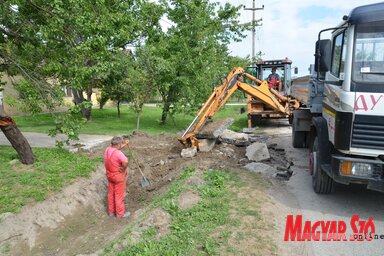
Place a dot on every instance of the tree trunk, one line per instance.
(18, 141)
(79, 98)
(138, 113)
(118, 108)
(86, 113)
(165, 112)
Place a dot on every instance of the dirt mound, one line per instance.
(188, 199)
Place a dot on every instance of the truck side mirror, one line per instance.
(323, 55)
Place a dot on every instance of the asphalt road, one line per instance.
(297, 197)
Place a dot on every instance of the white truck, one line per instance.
(342, 117)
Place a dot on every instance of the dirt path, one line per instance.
(74, 221)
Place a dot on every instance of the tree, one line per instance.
(193, 50)
(73, 42)
(114, 86)
(15, 137)
(69, 43)
(141, 80)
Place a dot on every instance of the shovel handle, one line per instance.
(134, 159)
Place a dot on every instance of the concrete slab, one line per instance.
(249, 130)
(257, 152)
(232, 137)
(206, 145)
(213, 129)
(188, 152)
(260, 168)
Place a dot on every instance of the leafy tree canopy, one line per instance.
(192, 54)
(70, 43)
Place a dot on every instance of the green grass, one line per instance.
(105, 121)
(191, 228)
(53, 169)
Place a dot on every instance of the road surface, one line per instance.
(297, 197)
(86, 142)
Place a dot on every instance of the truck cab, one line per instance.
(346, 131)
(257, 110)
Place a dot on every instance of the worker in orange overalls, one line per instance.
(116, 166)
(274, 80)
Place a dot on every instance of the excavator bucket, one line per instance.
(213, 129)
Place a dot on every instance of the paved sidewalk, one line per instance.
(87, 142)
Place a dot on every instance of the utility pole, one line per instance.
(253, 9)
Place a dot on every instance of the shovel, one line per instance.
(144, 180)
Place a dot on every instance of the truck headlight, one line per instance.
(357, 169)
(362, 169)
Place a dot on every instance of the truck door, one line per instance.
(336, 98)
(367, 82)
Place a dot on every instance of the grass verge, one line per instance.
(106, 121)
(219, 224)
(53, 169)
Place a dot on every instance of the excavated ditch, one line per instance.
(74, 221)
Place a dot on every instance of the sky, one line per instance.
(290, 27)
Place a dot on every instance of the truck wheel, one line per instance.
(321, 182)
(255, 120)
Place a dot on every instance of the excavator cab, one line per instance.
(258, 110)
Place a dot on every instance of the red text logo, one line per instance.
(330, 230)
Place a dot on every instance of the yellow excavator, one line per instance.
(235, 81)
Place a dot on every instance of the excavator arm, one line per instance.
(235, 81)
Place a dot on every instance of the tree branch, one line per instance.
(9, 33)
(41, 8)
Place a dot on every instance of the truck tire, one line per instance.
(321, 182)
(255, 120)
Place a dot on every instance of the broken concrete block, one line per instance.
(228, 152)
(213, 129)
(249, 130)
(260, 168)
(188, 152)
(206, 145)
(241, 143)
(283, 174)
(257, 152)
(243, 161)
(231, 137)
